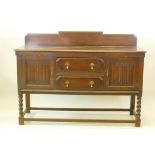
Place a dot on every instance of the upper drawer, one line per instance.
(80, 64)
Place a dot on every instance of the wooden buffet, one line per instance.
(81, 63)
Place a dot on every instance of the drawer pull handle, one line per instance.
(67, 64)
(91, 84)
(67, 83)
(92, 65)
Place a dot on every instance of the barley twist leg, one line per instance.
(138, 111)
(21, 115)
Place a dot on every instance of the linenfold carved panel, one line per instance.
(37, 72)
(122, 73)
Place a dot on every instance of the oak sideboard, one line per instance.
(80, 63)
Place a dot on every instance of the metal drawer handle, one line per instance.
(67, 64)
(67, 83)
(92, 65)
(91, 84)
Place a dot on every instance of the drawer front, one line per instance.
(79, 83)
(80, 64)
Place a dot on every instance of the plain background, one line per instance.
(18, 17)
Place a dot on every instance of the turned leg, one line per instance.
(27, 103)
(138, 111)
(21, 114)
(132, 104)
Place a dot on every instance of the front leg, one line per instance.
(21, 114)
(138, 111)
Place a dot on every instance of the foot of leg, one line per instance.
(21, 121)
(138, 122)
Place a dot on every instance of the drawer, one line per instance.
(80, 64)
(79, 83)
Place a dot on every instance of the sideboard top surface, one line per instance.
(83, 49)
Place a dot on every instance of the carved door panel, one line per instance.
(122, 74)
(38, 73)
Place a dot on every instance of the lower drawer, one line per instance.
(79, 83)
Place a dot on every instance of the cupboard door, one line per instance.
(37, 73)
(122, 74)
